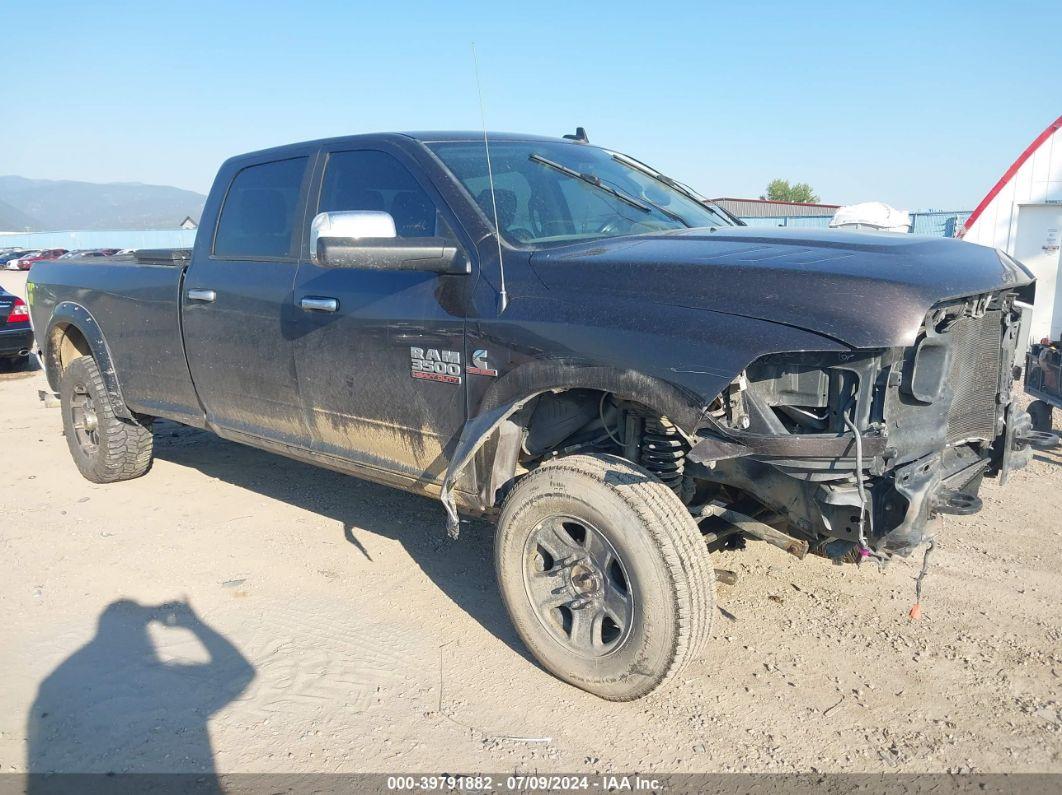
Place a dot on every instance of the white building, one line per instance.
(1022, 215)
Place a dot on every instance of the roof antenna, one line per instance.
(503, 296)
(580, 136)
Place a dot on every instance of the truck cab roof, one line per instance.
(424, 137)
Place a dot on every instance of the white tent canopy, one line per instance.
(871, 215)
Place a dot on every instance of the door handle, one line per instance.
(317, 304)
(206, 296)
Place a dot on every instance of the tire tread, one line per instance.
(126, 446)
(675, 534)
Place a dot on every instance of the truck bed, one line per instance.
(135, 303)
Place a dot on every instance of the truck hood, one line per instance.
(867, 290)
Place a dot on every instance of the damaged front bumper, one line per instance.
(934, 420)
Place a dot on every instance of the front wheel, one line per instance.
(105, 448)
(604, 574)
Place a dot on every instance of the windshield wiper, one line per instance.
(590, 179)
(674, 184)
(672, 215)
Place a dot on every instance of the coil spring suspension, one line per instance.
(664, 452)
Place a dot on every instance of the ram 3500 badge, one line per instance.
(435, 365)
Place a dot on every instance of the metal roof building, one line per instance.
(765, 208)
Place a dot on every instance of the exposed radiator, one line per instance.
(977, 357)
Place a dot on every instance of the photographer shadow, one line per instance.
(116, 706)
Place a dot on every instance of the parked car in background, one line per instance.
(25, 263)
(8, 258)
(16, 264)
(89, 252)
(16, 335)
(1043, 381)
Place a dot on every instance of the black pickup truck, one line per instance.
(557, 336)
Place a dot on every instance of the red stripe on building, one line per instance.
(1010, 172)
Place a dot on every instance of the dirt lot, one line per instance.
(332, 627)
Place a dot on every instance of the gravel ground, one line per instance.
(239, 612)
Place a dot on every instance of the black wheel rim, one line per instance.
(578, 586)
(84, 419)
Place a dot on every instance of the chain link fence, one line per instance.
(935, 223)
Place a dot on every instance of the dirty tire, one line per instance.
(107, 448)
(664, 564)
(1041, 416)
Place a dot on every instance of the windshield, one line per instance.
(550, 193)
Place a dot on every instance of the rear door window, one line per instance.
(258, 217)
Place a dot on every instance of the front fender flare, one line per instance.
(69, 313)
(519, 387)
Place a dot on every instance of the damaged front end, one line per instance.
(858, 453)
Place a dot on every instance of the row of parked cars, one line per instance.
(14, 259)
(16, 334)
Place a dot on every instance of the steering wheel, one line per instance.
(614, 226)
(536, 215)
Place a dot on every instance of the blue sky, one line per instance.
(919, 104)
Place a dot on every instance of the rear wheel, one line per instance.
(1041, 415)
(604, 574)
(104, 447)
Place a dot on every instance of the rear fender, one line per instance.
(69, 314)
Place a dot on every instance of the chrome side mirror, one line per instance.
(366, 239)
(349, 224)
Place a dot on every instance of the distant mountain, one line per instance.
(48, 205)
(13, 219)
